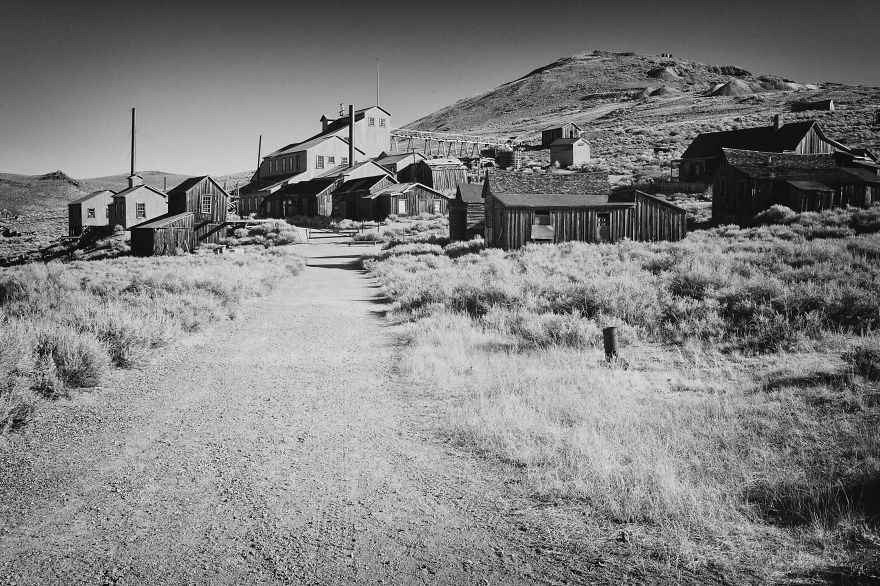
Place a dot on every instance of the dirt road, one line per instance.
(291, 451)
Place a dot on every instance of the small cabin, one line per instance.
(567, 130)
(467, 212)
(166, 235)
(569, 152)
(136, 204)
(407, 199)
(442, 174)
(306, 198)
(89, 212)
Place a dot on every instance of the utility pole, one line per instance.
(259, 154)
(377, 81)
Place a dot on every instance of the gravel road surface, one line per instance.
(284, 448)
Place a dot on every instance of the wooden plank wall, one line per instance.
(813, 144)
(164, 240)
(570, 225)
(655, 220)
(191, 201)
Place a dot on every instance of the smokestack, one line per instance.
(133, 179)
(259, 154)
(350, 135)
(777, 122)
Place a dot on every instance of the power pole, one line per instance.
(132, 142)
(259, 154)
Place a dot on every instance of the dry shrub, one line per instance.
(75, 359)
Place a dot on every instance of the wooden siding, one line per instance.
(191, 201)
(465, 218)
(654, 220)
(442, 178)
(514, 225)
(814, 144)
(166, 240)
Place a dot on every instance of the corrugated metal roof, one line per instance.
(265, 183)
(160, 221)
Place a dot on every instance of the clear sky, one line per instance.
(208, 79)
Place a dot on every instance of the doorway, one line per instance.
(603, 227)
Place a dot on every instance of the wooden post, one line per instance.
(609, 337)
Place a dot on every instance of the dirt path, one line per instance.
(286, 449)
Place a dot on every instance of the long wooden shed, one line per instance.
(407, 199)
(163, 236)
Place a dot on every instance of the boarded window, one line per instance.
(141, 210)
(206, 203)
(319, 162)
(90, 213)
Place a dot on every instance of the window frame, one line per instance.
(140, 210)
(90, 213)
(319, 161)
(371, 121)
(331, 161)
(206, 198)
(381, 123)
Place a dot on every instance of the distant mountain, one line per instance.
(628, 102)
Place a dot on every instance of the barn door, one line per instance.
(603, 227)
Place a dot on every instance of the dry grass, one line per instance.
(739, 430)
(64, 326)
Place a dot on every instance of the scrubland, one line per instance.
(68, 325)
(736, 436)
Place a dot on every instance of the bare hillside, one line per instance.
(632, 102)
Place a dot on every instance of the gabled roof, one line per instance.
(130, 190)
(309, 144)
(91, 196)
(361, 184)
(186, 185)
(265, 183)
(401, 188)
(471, 192)
(863, 174)
(563, 125)
(342, 170)
(392, 159)
(161, 221)
(444, 162)
(565, 141)
(556, 200)
(761, 138)
(308, 188)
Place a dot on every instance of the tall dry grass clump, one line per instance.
(739, 429)
(64, 326)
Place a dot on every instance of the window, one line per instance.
(542, 227)
(319, 163)
(290, 163)
(382, 122)
(372, 121)
(206, 203)
(90, 213)
(107, 211)
(331, 161)
(298, 163)
(141, 210)
(345, 160)
(284, 164)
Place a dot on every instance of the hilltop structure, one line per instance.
(567, 130)
(569, 152)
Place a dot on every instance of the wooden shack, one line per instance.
(748, 182)
(407, 199)
(569, 152)
(207, 201)
(89, 212)
(467, 212)
(567, 130)
(824, 105)
(164, 236)
(351, 200)
(306, 198)
(560, 208)
(442, 174)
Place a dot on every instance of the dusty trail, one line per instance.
(284, 448)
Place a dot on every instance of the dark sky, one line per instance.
(207, 80)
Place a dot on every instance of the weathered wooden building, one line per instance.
(351, 200)
(164, 236)
(407, 199)
(136, 204)
(701, 159)
(748, 182)
(89, 212)
(560, 208)
(398, 162)
(467, 212)
(442, 174)
(569, 152)
(567, 130)
(306, 198)
(209, 204)
(824, 105)
(197, 210)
